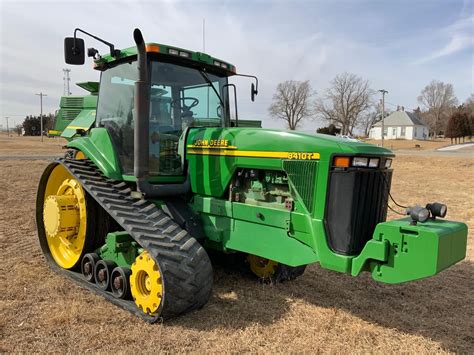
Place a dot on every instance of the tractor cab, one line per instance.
(177, 89)
(179, 97)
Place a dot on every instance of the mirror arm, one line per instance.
(251, 76)
(113, 52)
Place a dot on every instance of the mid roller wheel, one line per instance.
(102, 273)
(88, 265)
(120, 282)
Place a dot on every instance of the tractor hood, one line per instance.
(271, 143)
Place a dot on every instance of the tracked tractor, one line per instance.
(158, 176)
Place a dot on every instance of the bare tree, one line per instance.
(368, 119)
(345, 101)
(291, 102)
(440, 102)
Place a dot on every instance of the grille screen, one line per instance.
(302, 175)
(72, 102)
(70, 114)
(357, 202)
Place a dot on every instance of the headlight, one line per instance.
(360, 162)
(388, 163)
(437, 209)
(374, 162)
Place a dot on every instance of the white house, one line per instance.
(400, 125)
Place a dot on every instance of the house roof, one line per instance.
(402, 118)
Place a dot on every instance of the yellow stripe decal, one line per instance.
(256, 154)
(77, 127)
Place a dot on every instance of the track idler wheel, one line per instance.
(102, 273)
(120, 282)
(146, 284)
(88, 265)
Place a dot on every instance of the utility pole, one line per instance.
(8, 130)
(203, 34)
(383, 112)
(66, 79)
(41, 115)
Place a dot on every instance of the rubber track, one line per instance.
(184, 264)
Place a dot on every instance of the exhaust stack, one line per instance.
(141, 133)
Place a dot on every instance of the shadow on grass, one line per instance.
(439, 308)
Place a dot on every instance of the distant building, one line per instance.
(400, 125)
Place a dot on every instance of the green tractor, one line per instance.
(157, 177)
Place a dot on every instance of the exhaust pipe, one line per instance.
(142, 112)
(141, 146)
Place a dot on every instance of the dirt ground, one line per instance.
(323, 311)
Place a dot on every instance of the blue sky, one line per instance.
(397, 45)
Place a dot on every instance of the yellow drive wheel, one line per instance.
(64, 217)
(261, 267)
(146, 284)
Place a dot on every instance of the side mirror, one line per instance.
(253, 92)
(74, 51)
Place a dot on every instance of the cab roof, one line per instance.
(170, 52)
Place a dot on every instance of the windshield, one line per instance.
(183, 97)
(180, 97)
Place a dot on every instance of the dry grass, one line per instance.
(14, 145)
(396, 144)
(322, 311)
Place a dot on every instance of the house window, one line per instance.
(385, 131)
(403, 131)
(394, 132)
(415, 133)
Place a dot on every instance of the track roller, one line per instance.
(102, 272)
(120, 282)
(88, 265)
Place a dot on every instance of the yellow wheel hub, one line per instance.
(146, 284)
(64, 217)
(262, 267)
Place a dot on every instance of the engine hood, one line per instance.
(269, 140)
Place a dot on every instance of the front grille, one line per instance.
(357, 202)
(302, 175)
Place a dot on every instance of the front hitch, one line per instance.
(400, 251)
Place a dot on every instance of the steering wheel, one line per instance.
(183, 100)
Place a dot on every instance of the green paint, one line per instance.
(131, 52)
(420, 251)
(120, 248)
(71, 107)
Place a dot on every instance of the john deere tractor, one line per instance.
(157, 176)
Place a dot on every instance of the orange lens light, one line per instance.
(152, 48)
(342, 162)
